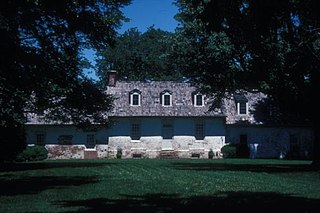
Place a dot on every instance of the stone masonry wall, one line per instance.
(150, 147)
(74, 151)
(65, 151)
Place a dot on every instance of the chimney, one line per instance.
(112, 76)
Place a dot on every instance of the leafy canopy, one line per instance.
(41, 63)
(139, 56)
(269, 45)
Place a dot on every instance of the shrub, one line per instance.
(210, 154)
(33, 153)
(229, 151)
(119, 153)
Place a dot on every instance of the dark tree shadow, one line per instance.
(272, 168)
(266, 111)
(221, 202)
(34, 185)
(10, 167)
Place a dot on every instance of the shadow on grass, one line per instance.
(269, 168)
(223, 202)
(10, 167)
(34, 185)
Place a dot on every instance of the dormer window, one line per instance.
(135, 97)
(242, 104)
(198, 99)
(166, 98)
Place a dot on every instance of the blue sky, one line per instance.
(144, 14)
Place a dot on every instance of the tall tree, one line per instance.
(139, 56)
(268, 45)
(41, 65)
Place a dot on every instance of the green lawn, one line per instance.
(144, 185)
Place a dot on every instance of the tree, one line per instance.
(269, 45)
(139, 56)
(41, 62)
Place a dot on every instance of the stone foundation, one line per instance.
(146, 147)
(152, 147)
(56, 151)
(65, 151)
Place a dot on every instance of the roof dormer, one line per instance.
(135, 97)
(241, 103)
(166, 98)
(197, 98)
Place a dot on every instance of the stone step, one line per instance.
(90, 154)
(168, 154)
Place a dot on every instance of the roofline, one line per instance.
(270, 125)
(172, 116)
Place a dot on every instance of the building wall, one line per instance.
(153, 126)
(271, 142)
(264, 142)
(150, 143)
(53, 132)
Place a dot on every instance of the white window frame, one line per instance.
(170, 98)
(238, 108)
(138, 93)
(195, 100)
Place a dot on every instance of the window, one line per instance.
(166, 98)
(199, 130)
(135, 131)
(242, 104)
(65, 139)
(242, 108)
(40, 139)
(198, 100)
(294, 146)
(91, 143)
(135, 97)
(167, 129)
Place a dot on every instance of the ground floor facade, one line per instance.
(158, 137)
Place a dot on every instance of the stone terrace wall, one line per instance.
(150, 147)
(74, 151)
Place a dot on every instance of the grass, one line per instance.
(143, 185)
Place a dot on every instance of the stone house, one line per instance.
(173, 120)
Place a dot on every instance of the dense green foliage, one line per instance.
(139, 56)
(41, 63)
(119, 153)
(235, 151)
(144, 185)
(273, 46)
(229, 151)
(32, 153)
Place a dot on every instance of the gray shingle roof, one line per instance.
(182, 99)
(182, 104)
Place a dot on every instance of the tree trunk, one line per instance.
(316, 146)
